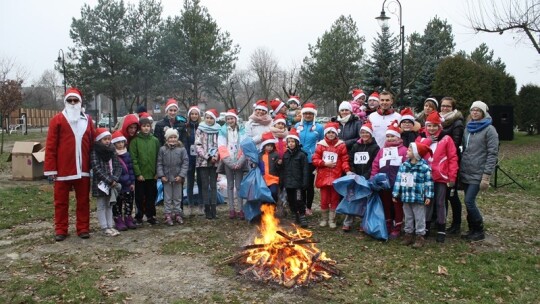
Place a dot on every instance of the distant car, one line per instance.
(104, 123)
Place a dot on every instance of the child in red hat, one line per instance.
(269, 163)
(388, 160)
(414, 188)
(331, 161)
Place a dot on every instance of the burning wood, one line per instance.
(290, 259)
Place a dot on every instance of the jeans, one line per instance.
(471, 191)
(310, 191)
(234, 178)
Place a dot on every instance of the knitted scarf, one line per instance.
(344, 120)
(209, 129)
(264, 120)
(475, 126)
(397, 143)
(121, 152)
(279, 133)
(106, 153)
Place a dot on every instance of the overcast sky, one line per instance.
(33, 31)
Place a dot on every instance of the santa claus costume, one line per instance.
(67, 162)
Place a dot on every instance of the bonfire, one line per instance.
(286, 258)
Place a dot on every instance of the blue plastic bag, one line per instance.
(374, 222)
(252, 209)
(352, 187)
(159, 196)
(354, 208)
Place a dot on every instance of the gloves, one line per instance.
(484, 184)
(451, 184)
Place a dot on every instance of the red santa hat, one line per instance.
(406, 114)
(331, 126)
(394, 129)
(267, 138)
(345, 105)
(276, 105)
(434, 101)
(420, 150)
(171, 103)
(145, 115)
(193, 108)
(73, 92)
(368, 127)
(295, 99)
(434, 118)
(117, 136)
(357, 93)
(293, 134)
(231, 113)
(212, 112)
(102, 132)
(309, 108)
(374, 96)
(261, 104)
(279, 118)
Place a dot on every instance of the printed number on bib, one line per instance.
(390, 153)
(329, 157)
(193, 150)
(407, 180)
(361, 158)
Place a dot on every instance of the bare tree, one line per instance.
(9, 69)
(520, 16)
(237, 91)
(265, 66)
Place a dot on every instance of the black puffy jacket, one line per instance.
(350, 132)
(363, 165)
(295, 169)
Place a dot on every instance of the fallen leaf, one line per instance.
(441, 270)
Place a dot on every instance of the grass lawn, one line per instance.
(502, 269)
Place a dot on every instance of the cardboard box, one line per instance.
(27, 160)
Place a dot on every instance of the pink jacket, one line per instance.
(444, 161)
(386, 162)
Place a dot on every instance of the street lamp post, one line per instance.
(62, 60)
(383, 21)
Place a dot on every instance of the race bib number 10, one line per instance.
(361, 158)
(329, 157)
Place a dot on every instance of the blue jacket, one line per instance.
(310, 135)
(419, 188)
(128, 175)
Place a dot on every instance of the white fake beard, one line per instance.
(73, 112)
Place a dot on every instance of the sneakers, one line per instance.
(419, 242)
(60, 237)
(303, 221)
(128, 220)
(138, 222)
(119, 224)
(152, 221)
(408, 239)
(309, 212)
(232, 214)
(179, 219)
(111, 232)
(441, 236)
(168, 219)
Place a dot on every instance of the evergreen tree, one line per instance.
(382, 69)
(334, 64)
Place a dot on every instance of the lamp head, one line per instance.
(383, 19)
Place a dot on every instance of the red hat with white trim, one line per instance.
(394, 129)
(261, 104)
(117, 136)
(374, 96)
(331, 127)
(193, 108)
(171, 102)
(231, 113)
(279, 118)
(434, 118)
(406, 114)
(276, 105)
(420, 150)
(267, 138)
(309, 108)
(73, 92)
(293, 134)
(357, 93)
(295, 99)
(102, 132)
(368, 127)
(212, 112)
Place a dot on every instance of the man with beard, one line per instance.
(67, 163)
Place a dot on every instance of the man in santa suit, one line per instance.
(67, 162)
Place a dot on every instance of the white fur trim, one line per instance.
(331, 129)
(292, 136)
(100, 136)
(355, 98)
(367, 130)
(309, 110)
(407, 117)
(295, 100)
(279, 120)
(414, 148)
(268, 141)
(117, 139)
(72, 95)
(395, 133)
(261, 107)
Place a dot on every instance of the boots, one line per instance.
(396, 231)
(297, 218)
(454, 229)
(128, 220)
(477, 233)
(469, 223)
(332, 219)
(324, 218)
(303, 221)
(213, 211)
(179, 218)
(441, 234)
(119, 223)
(419, 242)
(168, 219)
(207, 212)
(408, 239)
(240, 215)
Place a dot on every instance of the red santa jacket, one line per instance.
(67, 151)
(444, 162)
(333, 151)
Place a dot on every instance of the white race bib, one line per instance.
(329, 157)
(361, 158)
(407, 180)
(390, 153)
(193, 150)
